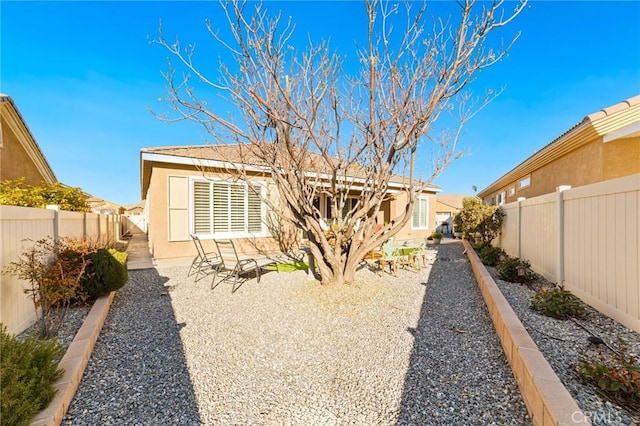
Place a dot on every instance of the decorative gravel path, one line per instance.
(417, 349)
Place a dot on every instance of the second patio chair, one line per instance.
(233, 266)
(204, 264)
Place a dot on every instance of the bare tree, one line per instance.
(317, 131)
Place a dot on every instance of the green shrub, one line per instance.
(106, 272)
(476, 216)
(557, 303)
(479, 246)
(508, 271)
(120, 256)
(27, 372)
(18, 192)
(617, 376)
(437, 235)
(490, 256)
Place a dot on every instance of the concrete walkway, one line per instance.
(138, 250)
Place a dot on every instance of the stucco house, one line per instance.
(182, 199)
(603, 146)
(102, 206)
(447, 207)
(20, 155)
(134, 209)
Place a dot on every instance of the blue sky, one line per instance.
(83, 75)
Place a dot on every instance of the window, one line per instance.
(349, 204)
(501, 198)
(226, 209)
(524, 182)
(420, 214)
(512, 191)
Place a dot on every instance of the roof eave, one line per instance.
(31, 147)
(149, 157)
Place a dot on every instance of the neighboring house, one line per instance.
(447, 207)
(20, 155)
(181, 199)
(603, 146)
(134, 209)
(100, 206)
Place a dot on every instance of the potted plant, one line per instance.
(457, 226)
(437, 237)
(457, 232)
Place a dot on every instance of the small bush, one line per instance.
(120, 256)
(508, 271)
(490, 256)
(106, 272)
(53, 272)
(28, 370)
(617, 376)
(437, 235)
(557, 303)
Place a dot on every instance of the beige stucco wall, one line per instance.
(445, 208)
(397, 207)
(590, 163)
(621, 158)
(14, 160)
(170, 238)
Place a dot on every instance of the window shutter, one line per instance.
(420, 217)
(220, 207)
(237, 202)
(201, 207)
(254, 210)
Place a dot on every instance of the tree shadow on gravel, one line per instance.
(137, 373)
(457, 372)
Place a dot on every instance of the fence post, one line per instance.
(84, 226)
(519, 233)
(56, 221)
(560, 240)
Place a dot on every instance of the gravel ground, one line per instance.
(415, 349)
(137, 373)
(562, 342)
(74, 317)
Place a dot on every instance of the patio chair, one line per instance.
(389, 257)
(232, 266)
(204, 263)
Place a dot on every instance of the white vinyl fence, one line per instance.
(586, 238)
(20, 227)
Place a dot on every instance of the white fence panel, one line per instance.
(602, 254)
(71, 224)
(93, 225)
(538, 234)
(509, 235)
(20, 228)
(590, 243)
(134, 223)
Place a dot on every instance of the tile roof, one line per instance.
(243, 153)
(590, 126)
(453, 200)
